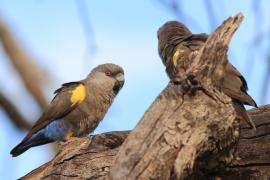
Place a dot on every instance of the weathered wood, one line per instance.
(252, 159)
(89, 157)
(190, 126)
(92, 157)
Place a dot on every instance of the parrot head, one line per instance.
(107, 76)
(169, 36)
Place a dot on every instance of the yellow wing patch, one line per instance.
(78, 94)
(176, 56)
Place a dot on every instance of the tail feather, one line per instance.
(19, 149)
(36, 140)
(241, 111)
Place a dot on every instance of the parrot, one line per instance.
(76, 109)
(176, 41)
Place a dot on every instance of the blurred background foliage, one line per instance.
(44, 43)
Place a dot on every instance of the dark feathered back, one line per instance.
(169, 35)
(173, 35)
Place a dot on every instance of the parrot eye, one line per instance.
(108, 73)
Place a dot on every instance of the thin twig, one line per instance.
(174, 7)
(87, 27)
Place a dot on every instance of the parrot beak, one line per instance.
(120, 80)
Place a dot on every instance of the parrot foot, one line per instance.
(68, 136)
(193, 54)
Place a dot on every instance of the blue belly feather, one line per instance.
(56, 130)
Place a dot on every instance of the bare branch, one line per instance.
(95, 156)
(174, 7)
(92, 157)
(185, 125)
(86, 24)
(14, 115)
(29, 72)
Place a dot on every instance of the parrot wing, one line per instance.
(235, 86)
(67, 98)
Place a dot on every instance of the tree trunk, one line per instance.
(191, 131)
(92, 157)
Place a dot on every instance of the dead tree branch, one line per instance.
(176, 8)
(29, 72)
(187, 122)
(92, 157)
(16, 117)
(87, 26)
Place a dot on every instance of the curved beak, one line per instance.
(120, 80)
(120, 77)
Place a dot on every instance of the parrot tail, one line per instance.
(241, 111)
(36, 140)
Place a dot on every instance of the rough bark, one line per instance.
(252, 160)
(191, 127)
(191, 130)
(81, 158)
(92, 157)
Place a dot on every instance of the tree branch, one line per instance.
(92, 157)
(13, 113)
(29, 72)
(187, 121)
(89, 157)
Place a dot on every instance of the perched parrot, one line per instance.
(176, 41)
(76, 109)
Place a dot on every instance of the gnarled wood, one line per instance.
(191, 126)
(92, 157)
(89, 157)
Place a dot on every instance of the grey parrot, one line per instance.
(76, 109)
(176, 41)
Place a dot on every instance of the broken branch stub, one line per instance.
(211, 59)
(186, 129)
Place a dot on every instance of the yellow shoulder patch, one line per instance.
(78, 94)
(176, 56)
